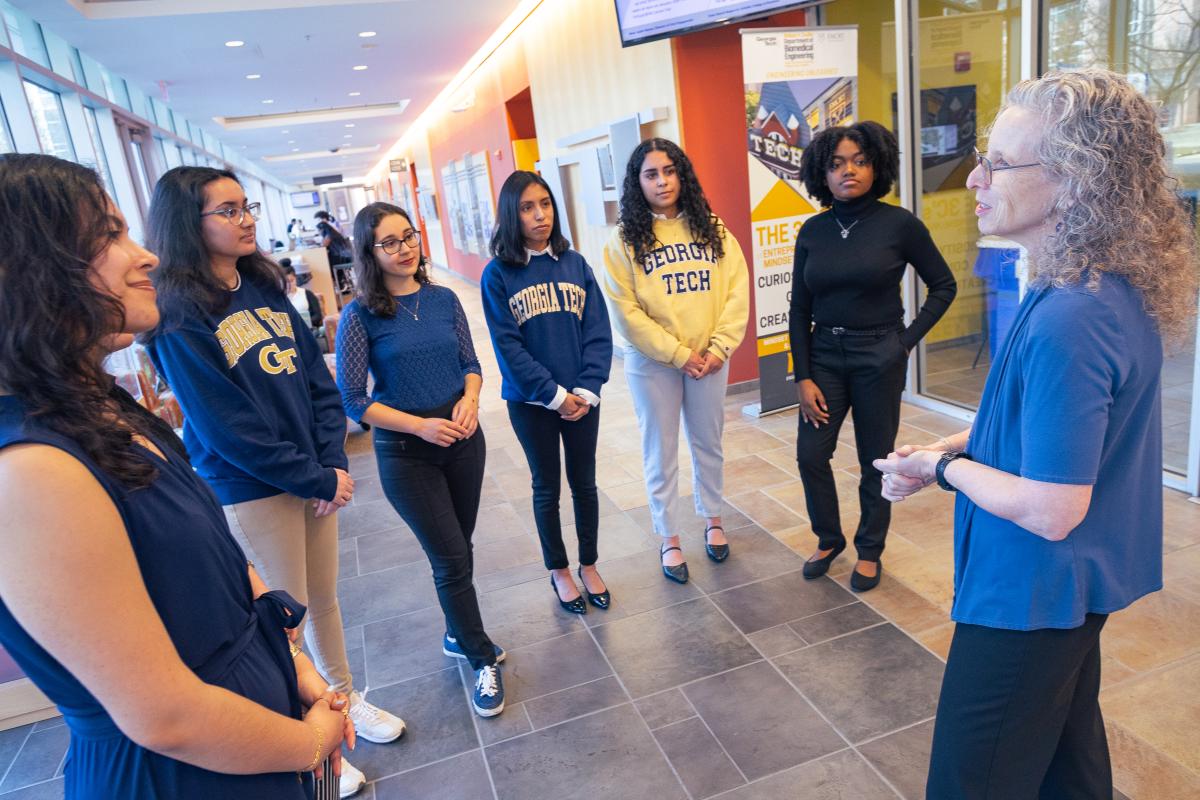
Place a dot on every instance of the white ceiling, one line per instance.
(305, 51)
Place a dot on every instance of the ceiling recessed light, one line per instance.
(234, 43)
(295, 149)
(348, 136)
(268, 102)
(366, 34)
(349, 124)
(291, 141)
(355, 94)
(253, 76)
(360, 67)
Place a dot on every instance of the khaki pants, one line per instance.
(297, 552)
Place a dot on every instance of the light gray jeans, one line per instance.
(661, 396)
(298, 552)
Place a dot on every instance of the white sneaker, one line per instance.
(373, 723)
(352, 780)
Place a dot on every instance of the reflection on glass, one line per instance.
(47, 109)
(6, 143)
(969, 59)
(1156, 44)
(101, 162)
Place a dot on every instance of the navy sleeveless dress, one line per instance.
(196, 575)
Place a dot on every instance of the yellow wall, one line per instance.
(581, 77)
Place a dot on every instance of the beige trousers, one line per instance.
(298, 552)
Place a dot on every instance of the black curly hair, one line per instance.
(878, 144)
(54, 320)
(636, 220)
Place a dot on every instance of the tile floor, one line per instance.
(749, 682)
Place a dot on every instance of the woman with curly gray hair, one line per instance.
(1059, 501)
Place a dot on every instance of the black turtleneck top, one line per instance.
(854, 282)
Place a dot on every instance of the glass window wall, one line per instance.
(49, 120)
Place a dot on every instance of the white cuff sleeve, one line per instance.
(592, 399)
(559, 397)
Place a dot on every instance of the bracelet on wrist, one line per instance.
(316, 759)
(293, 649)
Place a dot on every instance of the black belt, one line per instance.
(838, 330)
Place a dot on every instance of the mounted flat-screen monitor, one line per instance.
(306, 199)
(644, 21)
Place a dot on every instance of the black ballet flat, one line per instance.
(677, 573)
(575, 606)
(602, 600)
(717, 552)
(861, 583)
(815, 569)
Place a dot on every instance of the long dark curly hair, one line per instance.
(637, 220)
(54, 321)
(184, 278)
(877, 143)
(372, 289)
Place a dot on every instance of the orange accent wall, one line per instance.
(708, 71)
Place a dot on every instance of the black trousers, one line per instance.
(864, 375)
(539, 430)
(436, 490)
(1019, 717)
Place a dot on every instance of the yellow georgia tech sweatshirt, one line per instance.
(680, 297)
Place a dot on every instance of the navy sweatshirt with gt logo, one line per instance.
(262, 413)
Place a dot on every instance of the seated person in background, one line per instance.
(305, 301)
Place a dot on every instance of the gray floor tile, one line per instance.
(665, 708)
(460, 778)
(391, 548)
(10, 743)
(39, 759)
(777, 600)
(502, 579)
(53, 722)
(775, 641)
(670, 646)
(405, 647)
(438, 721)
(526, 613)
(836, 622)
(612, 751)
(385, 594)
(498, 523)
(367, 489)
(554, 708)
(47, 790)
(552, 665)
(347, 559)
(506, 554)
(372, 517)
(698, 759)
(840, 776)
(357, 657)
(513, 722)
(637, 584)
(903, 758)
(867, 683)
(619, 536)
(763, 723)
(754, 555)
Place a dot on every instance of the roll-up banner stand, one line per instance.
(798, 81)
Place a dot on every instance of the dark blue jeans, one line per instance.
(435, 490)
(539, 430)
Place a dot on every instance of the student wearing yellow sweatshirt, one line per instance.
(678, 290)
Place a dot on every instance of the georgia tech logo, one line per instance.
(274, 361)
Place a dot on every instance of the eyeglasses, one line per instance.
(988, 168)
(237, 215)
(412, 239)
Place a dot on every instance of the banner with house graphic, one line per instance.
(798, 81)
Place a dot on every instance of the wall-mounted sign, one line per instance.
(398, 165)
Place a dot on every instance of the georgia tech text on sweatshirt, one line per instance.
(692, 280)
(240, 331)
(544, 298)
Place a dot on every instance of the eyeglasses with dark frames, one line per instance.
(391, 246)
(988, 168)
(237, 215)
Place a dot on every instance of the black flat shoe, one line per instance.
(575, 606)
(861, 583)
(717, 552)
(677, 573)
(815, 569)
(601, 600)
